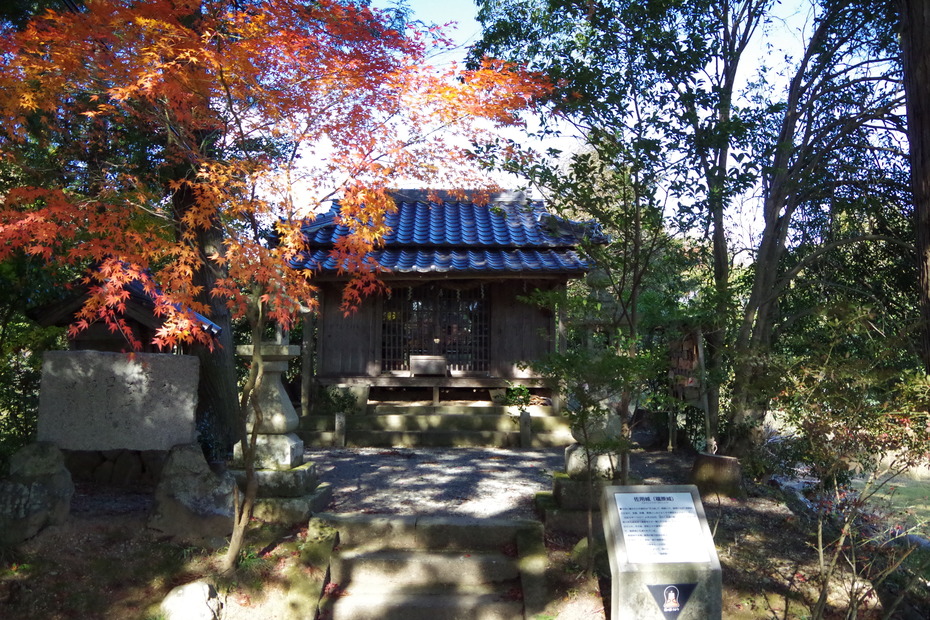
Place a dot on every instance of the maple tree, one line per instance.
(178, 144)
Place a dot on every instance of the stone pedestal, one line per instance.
(278, 452)
(290, 496)
(565, 509)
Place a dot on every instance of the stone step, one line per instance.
(417, 606)
(317, 439)
(422, 422)
(471, 410)
(431, 567)
(434, 571)
(361, 439)
(365, 532)
(438, 438)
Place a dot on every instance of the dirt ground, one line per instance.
(103, 563)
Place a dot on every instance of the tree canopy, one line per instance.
(808, 143)
(130, 129)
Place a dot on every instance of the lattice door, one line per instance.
(430, 320)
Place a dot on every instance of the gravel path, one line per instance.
(477, 482)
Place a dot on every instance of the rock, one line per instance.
(197, 600)
(599, 429)
(127, 469)
(103, 475)
(36, 494)
(37, 460)
(153, 462)
(192, 503)
(82, 463)
(602, 465)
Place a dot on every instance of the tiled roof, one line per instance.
(461, 238)
(62, 312)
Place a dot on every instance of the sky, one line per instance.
(464, 31)
(440, 12)
(783, 34)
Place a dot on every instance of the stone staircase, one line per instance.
(415, 567)
(439, 425)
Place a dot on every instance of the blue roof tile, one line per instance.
(462, 237)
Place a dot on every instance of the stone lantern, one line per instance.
(288, 488)
(277, 446)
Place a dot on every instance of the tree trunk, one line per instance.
(217, 405)
(915, 48)
(245, 504)
(218, 390)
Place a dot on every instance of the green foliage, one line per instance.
(21, 347)
(815, 155)
(594, 384)
(333, 400)
(849, 403)
(518, 396)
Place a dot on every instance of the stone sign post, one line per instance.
(663, 563)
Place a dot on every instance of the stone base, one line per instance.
(278, 452)
(122, 468)
(292, 510)
(574, 522)
(573, 494)
(37, 493)
(295, 482)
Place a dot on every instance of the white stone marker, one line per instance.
(663, 562)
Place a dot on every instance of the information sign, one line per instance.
(661, 527)
(663, 562)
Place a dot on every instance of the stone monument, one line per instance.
(94, 400)
(663, 562)
(115, 416)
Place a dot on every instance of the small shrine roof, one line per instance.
(507, 235)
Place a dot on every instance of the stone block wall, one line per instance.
(122, 468)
